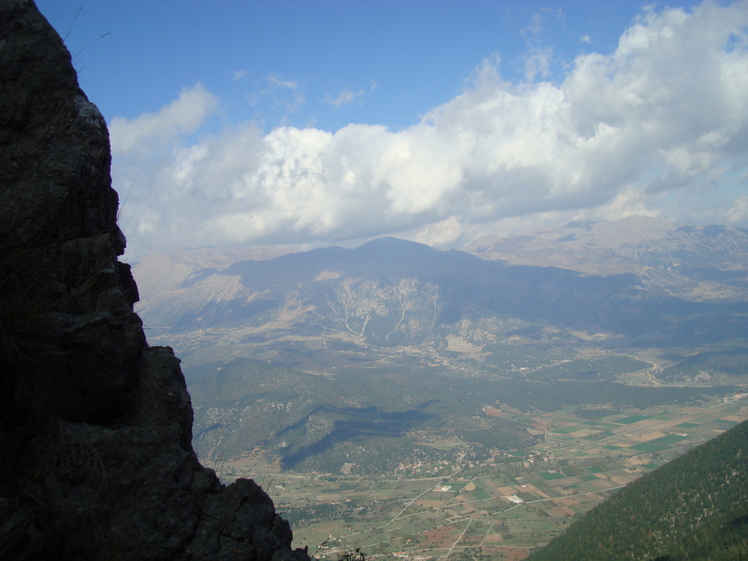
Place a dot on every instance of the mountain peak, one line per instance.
(389, 246)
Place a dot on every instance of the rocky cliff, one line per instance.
(96, 460)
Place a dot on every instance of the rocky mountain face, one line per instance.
(96, 460)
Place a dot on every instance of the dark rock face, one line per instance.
(96, 460)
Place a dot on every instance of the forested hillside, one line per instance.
(694, 508)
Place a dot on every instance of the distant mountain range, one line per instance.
(636, 282)
(703, 263)
(393, 327)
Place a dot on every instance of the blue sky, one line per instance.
(406, 56)
(318, 122)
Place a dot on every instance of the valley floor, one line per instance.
(500, 508)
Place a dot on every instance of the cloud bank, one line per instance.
(659, 127)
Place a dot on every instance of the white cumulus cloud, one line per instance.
(663, 118)
(184, 115)
(345, 97)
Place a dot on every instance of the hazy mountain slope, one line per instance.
(695, 507)
(693, 262)
(160, 275)
(388, 271)
(393, 293)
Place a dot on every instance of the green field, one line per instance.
(632, 419)
(566, 430)
(493, 508)
(549, 476)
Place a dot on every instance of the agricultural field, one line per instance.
(500, 507)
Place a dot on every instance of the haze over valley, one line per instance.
(395, 360)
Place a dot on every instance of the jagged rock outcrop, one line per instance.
(96, 460)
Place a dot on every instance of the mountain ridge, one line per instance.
(666, 254)
(388, 282)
